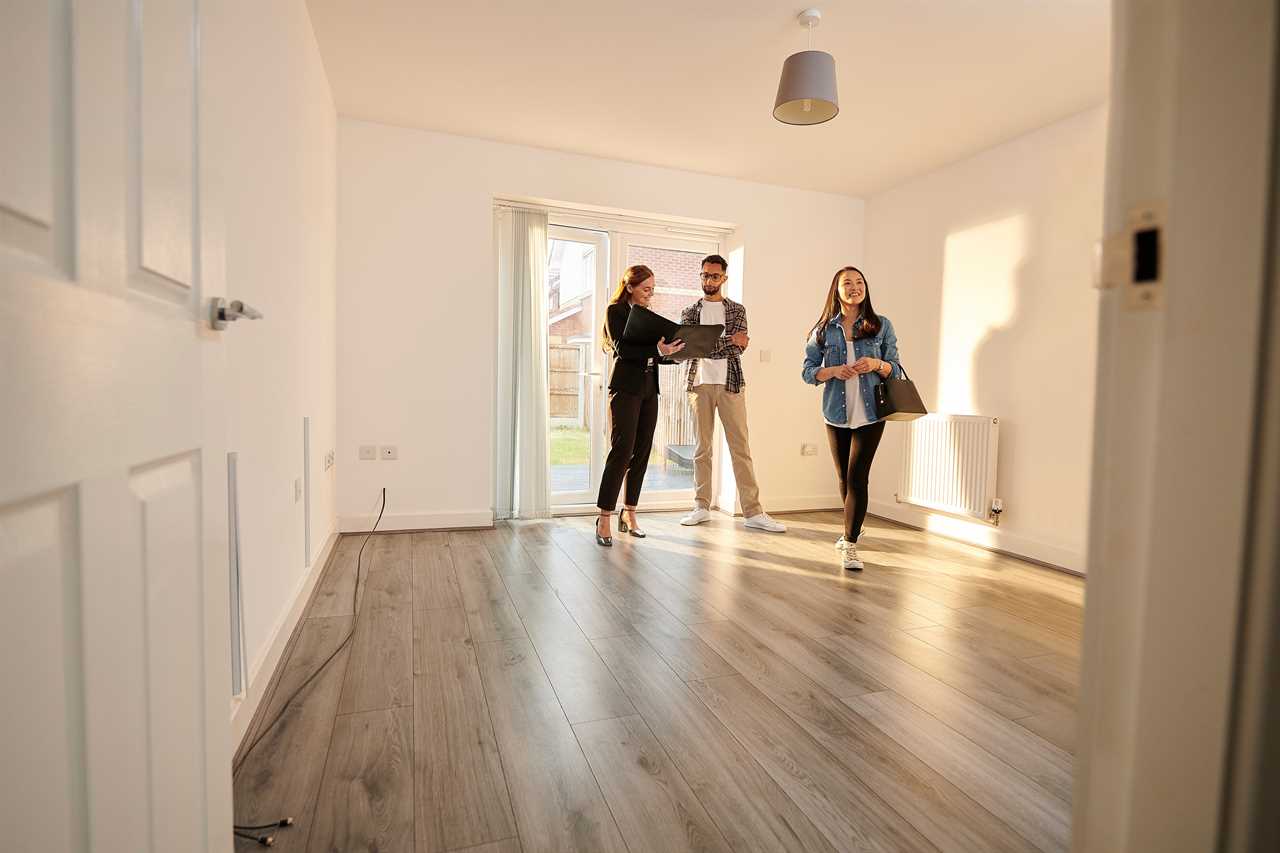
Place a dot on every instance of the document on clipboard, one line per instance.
(646, 327)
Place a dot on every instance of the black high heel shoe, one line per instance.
(623, 527)
(606, 541)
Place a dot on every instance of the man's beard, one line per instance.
(710, 289)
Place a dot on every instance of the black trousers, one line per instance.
(632, 419)
(852, 450)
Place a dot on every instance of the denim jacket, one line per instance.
(883, 345)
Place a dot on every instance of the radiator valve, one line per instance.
(997, 507)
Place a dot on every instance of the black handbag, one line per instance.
(898, 399)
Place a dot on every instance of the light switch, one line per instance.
(368, 452)
(766, 355)
(389, 451)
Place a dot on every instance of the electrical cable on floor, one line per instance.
(247, 832)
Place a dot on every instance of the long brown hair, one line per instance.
(631, 277)
(868, 322)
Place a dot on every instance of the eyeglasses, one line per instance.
(712, 276)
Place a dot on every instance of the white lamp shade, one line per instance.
(807, 90)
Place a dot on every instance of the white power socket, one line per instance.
(808, 449)
(368, 452)
(388, 451)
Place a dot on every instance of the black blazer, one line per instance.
(629, 359)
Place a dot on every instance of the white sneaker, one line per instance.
(840, 543)
(698, 516)
(849, 558)
(764, 522)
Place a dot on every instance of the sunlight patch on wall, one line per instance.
(979, 295)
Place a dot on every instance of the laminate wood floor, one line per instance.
(706, 689)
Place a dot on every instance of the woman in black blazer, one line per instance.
(633, 403)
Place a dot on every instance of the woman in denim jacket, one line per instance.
(851, 350)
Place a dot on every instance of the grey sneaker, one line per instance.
(849, 558)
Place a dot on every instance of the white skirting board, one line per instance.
(982, 535)
(417, 521)
(244, 707)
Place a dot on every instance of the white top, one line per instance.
(712, 371)
(855, 410)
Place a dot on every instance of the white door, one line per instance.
(676, 263)
(113, 640)
(577, 272)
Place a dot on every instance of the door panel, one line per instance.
(110, 738)
(577, 269)
(676, 263)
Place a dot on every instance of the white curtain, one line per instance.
(523, 488)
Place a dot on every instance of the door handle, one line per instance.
(222, 312)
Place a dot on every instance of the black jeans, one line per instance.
(632, 418)
(852, 450)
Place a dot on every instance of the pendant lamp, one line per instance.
(807, 89)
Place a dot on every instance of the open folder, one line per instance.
(645, 327)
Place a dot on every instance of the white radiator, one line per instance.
(949, 465)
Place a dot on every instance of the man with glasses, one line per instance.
(715, 385)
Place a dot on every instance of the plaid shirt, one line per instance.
(735, 320)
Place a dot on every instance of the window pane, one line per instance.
(571, 278)
(677, 287)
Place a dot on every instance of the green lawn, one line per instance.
(569, 446)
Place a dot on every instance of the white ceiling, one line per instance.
(690, 85)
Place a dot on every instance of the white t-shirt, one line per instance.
(712, 371)
(855, 410)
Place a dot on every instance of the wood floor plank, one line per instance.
(1033, 812)
(507, 845)
(1058, 728)
(1027, 753)
(850, 814)
(983, 619)
(584, 685)
(282, 775)
(679, 646)
(509, 554)
(820, 663)
(752, 812)
(366, 798)
(490, 612)
(1008, 696)
(1061, 666)
(380, 674)
(682, 603)
(461, 789)
(435, 586)
(392, 551)
(558, 805)
(956, 639)
(943, 813)
(653, 805)
(588, 606)
(333, 591)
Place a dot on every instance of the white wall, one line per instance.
(418, 295)
(985, 269)
(279, 182)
